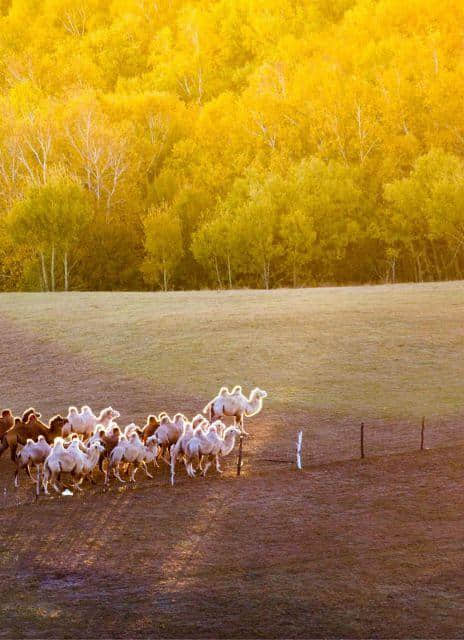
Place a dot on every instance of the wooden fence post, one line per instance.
(422, 433)
(298, 449)
(362, 439)
(240, 450)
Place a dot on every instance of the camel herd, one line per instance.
(83, 443)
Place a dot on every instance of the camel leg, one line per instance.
(165, 454)
(144, 467)
(116, 473)
(242, 428)
(77, 483)
(13, 449)
(3, 446)
(53, 480)
(207, 466)
(16, 477)
(218, 466)
(28, 471)
(134, 471)
(45, 479)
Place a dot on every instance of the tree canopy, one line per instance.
(194, 143)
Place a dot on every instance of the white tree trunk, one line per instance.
(218, 275)
(52, 268)
(229, 271)
(44, 271)
(66, 271)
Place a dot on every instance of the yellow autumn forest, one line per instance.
(181, 144)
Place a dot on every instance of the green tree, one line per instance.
(51, 218)
(425, 215)
(214, 246)
(298, 239)
(163, 244)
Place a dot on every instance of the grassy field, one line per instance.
(344, 548)
(380, 352)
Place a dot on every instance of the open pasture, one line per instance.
(345, 547)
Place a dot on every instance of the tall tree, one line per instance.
(163, 244)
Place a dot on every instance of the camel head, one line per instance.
(198, 419)
(258, 393)
(57, 423)
(152, 421)
(232, 431)
(28, 413)
(98, 446)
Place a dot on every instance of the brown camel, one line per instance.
(6, 422)
(150, 428)
(32, 428)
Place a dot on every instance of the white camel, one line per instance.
(169, 432)
(223, 440)
(32, 454)
(209, 447)
(85, 421)
(178, 449)
(90, 459)
(131, 450)
(61, 460)
(235, 403)
(197, 447)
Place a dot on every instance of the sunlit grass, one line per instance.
(385, 351)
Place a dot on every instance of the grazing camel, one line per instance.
(209, 447)
(61, 460)
(32, 454)
(169, 432)
(132, 450)
(196, 448)
(153, 422)
(178, 449)
(91, 458)
(6, 421)
(33, 428)
(234, 403)
(84, 423)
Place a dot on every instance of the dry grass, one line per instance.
(383, 352)
(350, 549)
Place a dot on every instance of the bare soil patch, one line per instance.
(341, 549)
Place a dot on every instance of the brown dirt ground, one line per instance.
(352, 549)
